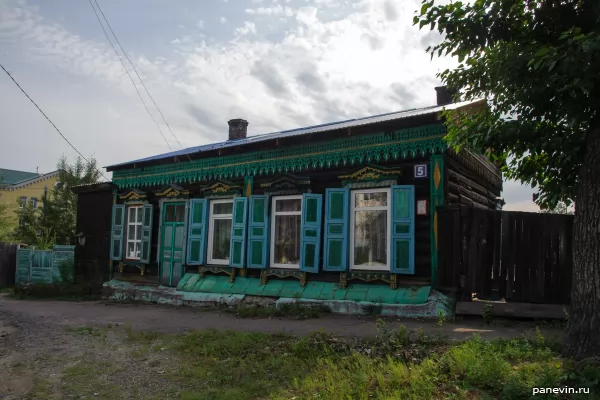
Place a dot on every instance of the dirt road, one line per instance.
(47, 347)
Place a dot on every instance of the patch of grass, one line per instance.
(293, 310)
(62, 291)
(89, 380)
(8, 290)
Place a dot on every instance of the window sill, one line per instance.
(285, 266)
(373, 268)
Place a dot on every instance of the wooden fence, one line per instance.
(8, 260)
(515, 256)
(44, 266)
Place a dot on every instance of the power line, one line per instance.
(49, 120)
(139, 77)
(129, 75)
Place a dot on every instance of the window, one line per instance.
(219, 231)
(22, 201)
(370, 229)
(285, 231)
(34, 202)
(134, 233)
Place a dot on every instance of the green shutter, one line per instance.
(258, 232)
(116, 237)
(310, 239)
(197, 232)
(403, 230)
(335, 243)
(147, 217)
(237, 255)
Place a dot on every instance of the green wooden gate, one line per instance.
(44, 266)
(172, 242)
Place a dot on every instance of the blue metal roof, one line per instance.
(303, 131)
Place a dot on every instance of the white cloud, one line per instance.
(223, 20)
(271, 11)
(317, 71)
(249, 27)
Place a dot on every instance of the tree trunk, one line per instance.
(584, 320)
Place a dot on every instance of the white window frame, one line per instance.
(211, 224)
(387, 208)
(134, 224)
(273, 219)
(34, 202)
(22, 201)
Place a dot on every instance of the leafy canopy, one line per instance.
(537, 63)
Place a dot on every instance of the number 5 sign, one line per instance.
(421, 171)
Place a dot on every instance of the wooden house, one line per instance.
(334, 202)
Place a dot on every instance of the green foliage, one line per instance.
(537, 64)
(293, 310)
(54, 222)
(61, 205)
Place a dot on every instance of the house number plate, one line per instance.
(421, 171)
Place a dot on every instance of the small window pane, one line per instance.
(222, 208)
(131, 232)
(378, 199)
(138, 232)
(131, 217)
(288, 205)
(370, 238)
(131, 250)
(287, 239)
(180, 213)
(138, 214)
(221, 239)
(169, 213)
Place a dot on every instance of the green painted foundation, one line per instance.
(356, 299)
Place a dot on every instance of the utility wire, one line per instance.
(49, 120)
(139, 77)
(129, 75)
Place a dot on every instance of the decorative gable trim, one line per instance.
(376, 147)
(371, 176)
(172, 191)
(132, 195)
(221, 189)
(287, 184)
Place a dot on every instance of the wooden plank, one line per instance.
(567, 260)
(535, 260)
(508, 237)
(515, 310)
(499, 273)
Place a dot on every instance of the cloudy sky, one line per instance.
(280, 64)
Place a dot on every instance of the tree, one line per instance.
(560, 208)
(60, 207)
(536, 62)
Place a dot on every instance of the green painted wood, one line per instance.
(24, 259)
(403, 229)
(335, 243)
(197, 232)
(313, 290)
(258, 232)
(310, 232)
(403, 143)
(147, 218)
(171, 249)
(436, 180)
(117, 232)
(237, 250)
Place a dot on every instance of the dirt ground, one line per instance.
(41, 341)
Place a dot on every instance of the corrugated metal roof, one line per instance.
(12, 177)
(304, 131)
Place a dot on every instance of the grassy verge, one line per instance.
(64, 292)
(397, 364)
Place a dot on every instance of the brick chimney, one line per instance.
(444, 95)
(238, 129)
